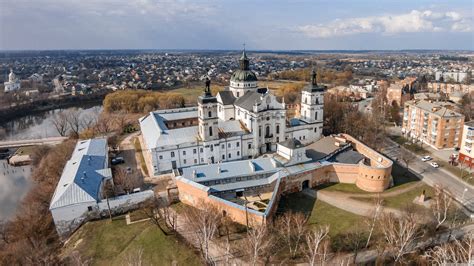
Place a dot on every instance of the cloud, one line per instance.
(414, 21)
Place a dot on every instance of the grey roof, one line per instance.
(83, 174)
(230, 169)
(438, 108)
(243, 75)
(291, 143)
(248, 100)
(227, 97)
(348, 156)
(178, 114)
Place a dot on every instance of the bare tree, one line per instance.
(372, 222)
(400, 233)
(74, 121)
(316, 248)
(126, 181)
(60, 122)
(257, 241)
(440, 205)
(151, 209)
(204, 223)
(292, 228)
(407, 157)
(457, 251)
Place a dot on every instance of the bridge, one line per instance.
(31, 142)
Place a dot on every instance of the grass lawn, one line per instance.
(113, 242)
(416, 148)
(321, 213)
(138, 149)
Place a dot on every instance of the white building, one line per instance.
(241, 122)
(79, 194)
(455, 76)
(13, 84)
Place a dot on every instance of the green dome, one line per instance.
(243, 75)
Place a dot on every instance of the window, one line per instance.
(89, 208)
(184, 152)
(238, 153)
(161, 157)
(228, 145)
(237, 144)
(278, 129)
(223, 156)
(250, 146)
(184, 161)
(229, 156)
(202, 160)
(315, 130)
(200, 150)
(212, 148)
(267, 131)
(210, 131)
(315, 115)
(194, 151)
(172, 154)
(259, 131)
(278, 139)
(210, 114)
(195, 161)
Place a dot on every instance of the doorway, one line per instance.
(173, 164)
(305, 185)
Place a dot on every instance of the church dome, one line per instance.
(243, 75)
(11, 76)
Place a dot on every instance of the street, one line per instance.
(461, 191)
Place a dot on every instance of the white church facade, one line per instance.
(241, 122)
(13, 84)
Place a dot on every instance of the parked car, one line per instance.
(435, 165)
(426, 158)
(117, 160)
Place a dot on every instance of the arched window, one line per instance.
(210, 113)
(210, 131)
(278, 129)
(267, 131)
(315, 115)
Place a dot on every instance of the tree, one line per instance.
(126, 181)
(292, 228)
(257, 241)
(407, 157)
(400, 233)
(60, 122)
(316, 247)
(74, 122)
(204, 223)
(373, 221)
(440, 205)
(455, 252)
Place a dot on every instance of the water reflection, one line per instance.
(14, 184)
(41, 125)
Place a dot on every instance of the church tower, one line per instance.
(243, 79)
(312, 101)
(207, 114)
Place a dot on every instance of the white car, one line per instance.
(435, 165)
(426, 158)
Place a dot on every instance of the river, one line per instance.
(15, 180)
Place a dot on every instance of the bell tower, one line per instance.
(312, 101)
(207, 114)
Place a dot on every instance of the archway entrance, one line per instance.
(305, 184)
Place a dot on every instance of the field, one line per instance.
(321, 213)
(115, 243)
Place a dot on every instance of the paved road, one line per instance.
(31, 142)
(462, 192)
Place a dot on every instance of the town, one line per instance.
(234, 133)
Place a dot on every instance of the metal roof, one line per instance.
(83, 174)
(226, 97)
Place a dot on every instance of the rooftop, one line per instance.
(83, 174)
(443, 109)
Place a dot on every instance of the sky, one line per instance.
(227, 24)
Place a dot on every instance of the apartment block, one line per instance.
(466, 152)
(437, 124)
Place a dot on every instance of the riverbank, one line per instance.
(40, 106)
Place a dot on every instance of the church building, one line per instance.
(241, 122)
(13, 84)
